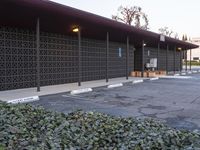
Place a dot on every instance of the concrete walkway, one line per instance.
(47, 90)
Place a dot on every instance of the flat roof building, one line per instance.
(45, 43)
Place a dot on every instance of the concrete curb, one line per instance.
(176, 77)
(24, 100)
(138, 81)
(153, 79)
(194, 71)
(80, 91)
(114, 85)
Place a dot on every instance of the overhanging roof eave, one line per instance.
(39, 7)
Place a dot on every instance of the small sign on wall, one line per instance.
(162, 38)
(153, 62)
(120, 52)
(148, 52)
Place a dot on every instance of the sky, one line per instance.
(181, 16)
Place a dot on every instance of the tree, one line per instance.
(176, 36)
(184, 38)
(132, 16)
(165, 31)
(168, 32)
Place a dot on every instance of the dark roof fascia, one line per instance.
(53, 7)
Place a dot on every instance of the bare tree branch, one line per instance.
(168, 32)
(132, 16)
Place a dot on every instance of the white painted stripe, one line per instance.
(189, 72)
(79, 91)
(153, 79)
(138, 81)
(194, 71)
(198, 70)
(177, 75)
(183, 73)
(115, 85)
(24, 100)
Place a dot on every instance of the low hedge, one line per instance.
(27, 127)
(193, 63)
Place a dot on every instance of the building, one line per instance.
(44, 43)
(195, 53)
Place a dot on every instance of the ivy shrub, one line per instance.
(2, 147)
(27, 127)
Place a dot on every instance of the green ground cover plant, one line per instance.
(27, 127)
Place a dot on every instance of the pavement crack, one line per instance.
(170, 111)
(194, 100)
(155, 114)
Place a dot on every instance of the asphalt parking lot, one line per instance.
(173, 101)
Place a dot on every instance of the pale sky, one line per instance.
(182, 16)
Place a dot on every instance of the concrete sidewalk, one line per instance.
(54, 89)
